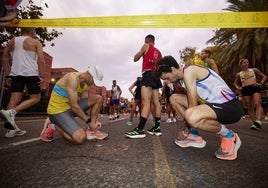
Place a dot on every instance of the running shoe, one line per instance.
(191, 141)
(6, 115)
(255, 125)
(13, 133)
(111, 117)
(174, 120)
(130, 122)
(169, 120)
(47, 134)
(136, 133)
(229, 147)
(98, 135)
(155, 131)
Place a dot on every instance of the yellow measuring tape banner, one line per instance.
(198, 20)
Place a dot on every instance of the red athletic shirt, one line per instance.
(150, 58)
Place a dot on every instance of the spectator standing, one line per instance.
(209, 62)
(246, 81)
(116, 95)
(136, 100)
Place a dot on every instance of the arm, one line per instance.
(214, 66)
(237, 82)
(142, 51)
(131, 88)
(190, 78)
(120, 91)
(263, 76)
(71, 85)
(7, 57)
(40, 60)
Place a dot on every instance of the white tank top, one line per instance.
(213, 89)
(116, 92)
(24, 63)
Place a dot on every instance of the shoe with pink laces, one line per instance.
(229, 148)
(47, 134)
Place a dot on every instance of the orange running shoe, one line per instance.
(99, 135)
(191, 141)
(229, 148)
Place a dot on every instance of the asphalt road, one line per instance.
(121, 162)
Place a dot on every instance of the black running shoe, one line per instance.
(256, 125)
(155, 131)
(136, 133)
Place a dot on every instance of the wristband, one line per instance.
(88, 120)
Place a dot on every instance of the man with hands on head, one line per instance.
(70, 98)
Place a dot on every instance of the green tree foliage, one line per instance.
(233, 44)
(31, 11)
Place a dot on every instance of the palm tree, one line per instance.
(233, 44)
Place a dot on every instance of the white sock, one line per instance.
(52, 125)
(13, 112)
(224, 131)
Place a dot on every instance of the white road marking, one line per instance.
(19, 143)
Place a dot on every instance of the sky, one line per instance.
(113, 49)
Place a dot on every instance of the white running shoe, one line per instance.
(6, 115)
(13, 133)
(169, 120)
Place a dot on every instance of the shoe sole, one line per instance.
(135, 136)
(10, 135)
(234, 156)
(97, 137)
(20, 134)
(45, 139)
(254, 127)
(102, 137)
(154, 133)
(15, 134)
(91, 137)
(195, 145)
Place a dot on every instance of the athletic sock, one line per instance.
(226, 133)
(157, 122)
(193, 131)
(142, 123)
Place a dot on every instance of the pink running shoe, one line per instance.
(191, 141)
(98, 135)
(229, 148)
(47, 134)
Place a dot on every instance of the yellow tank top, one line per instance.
(58, 101)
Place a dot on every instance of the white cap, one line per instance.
(95, 72)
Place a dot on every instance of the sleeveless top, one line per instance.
(116, 92)
(59, 101)
(150, 58)
(213, 89)
(24, 63)
(244, 75)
